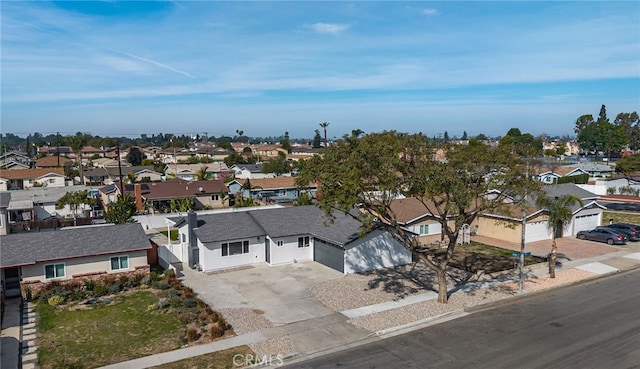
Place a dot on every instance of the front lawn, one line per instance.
(477, 256)
(88, 337)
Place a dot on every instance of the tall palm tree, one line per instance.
(324, 126)
(559, 212)
(201, 174)
(77, 144)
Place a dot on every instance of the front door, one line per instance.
(267, 255)
(11, 282)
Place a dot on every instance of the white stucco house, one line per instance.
(284, 235)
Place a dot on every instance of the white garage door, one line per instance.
(537, 231)
(585, 222)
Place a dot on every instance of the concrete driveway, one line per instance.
(282, 292)
(571, 248)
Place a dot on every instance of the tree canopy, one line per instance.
(121, 211)
(453, 183)
(135, 156)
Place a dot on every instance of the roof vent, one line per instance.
(200, 189)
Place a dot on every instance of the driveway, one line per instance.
(281, 292)
(571, 248)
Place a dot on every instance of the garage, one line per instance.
(537, 231)
(585, 222)
(328, 254)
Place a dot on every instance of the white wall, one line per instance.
(376, 250)
(290, 251)
(211, 255)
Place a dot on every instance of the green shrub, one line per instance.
(114, 288)
(89, 284)
(100, 290)
(190, 303)
(175, 302)
(160, 285)
(55, 300)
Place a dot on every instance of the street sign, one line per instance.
(517, 254)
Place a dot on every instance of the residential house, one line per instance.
(550, 174)
(109, 162)
(15, 160)
(276, 189)
(415, 217)
(284, 235)
(251, 171)
(18, 179)
(158, 195)
(507, 225)
(215, 170)
(35, 258)
(54, 162)
(111, 175)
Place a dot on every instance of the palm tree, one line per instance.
(77, 144)
(201, 174)
(324, 126)
(131, 177)
(559, 214)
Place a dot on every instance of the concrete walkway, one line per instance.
(11, 335)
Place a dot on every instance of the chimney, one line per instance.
(137, 191)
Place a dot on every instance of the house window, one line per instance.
(235, 248)
(424, 229)
(54, 271)
(30, 181)
(280, 243)
(303, 241)
(119, 262)
(215, 197)
(184, 237)
(52, 180)
(282, 193)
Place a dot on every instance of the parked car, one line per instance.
(604, 234)
(631, 230)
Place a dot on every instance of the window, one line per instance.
(184, 237)
(52, 180)
(215, 197)
(303, 241)
(282, 193)
(119, 262)
(54, 271)
(424, 229)
(280, 243)
(30, 181)
(235, 248)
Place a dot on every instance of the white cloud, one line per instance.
(331, 28)
(429, 11)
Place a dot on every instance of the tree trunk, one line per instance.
(553, 257)
(442, 286)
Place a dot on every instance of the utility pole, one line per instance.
(524, 227)
(58, 148)
(119, 168)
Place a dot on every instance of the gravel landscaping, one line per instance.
(273, 347)
(245, 320)
(460, 300)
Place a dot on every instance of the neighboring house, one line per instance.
(602, 186)
(35, 258)
(55, 150)
(18, 179)
(158, 195)
(415, 217)
(15, 160)
(550, 175)
(277, 189)
(111, 175)
(54, 162)
(251, 171)
(108, 162)
(188, 172)
(598, 170)
(508, 226)
(285, 235)
(40, 204)
(5, 199)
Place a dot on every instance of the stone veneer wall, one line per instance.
(36, 286)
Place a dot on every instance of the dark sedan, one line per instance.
(604, 234)
(631, 230)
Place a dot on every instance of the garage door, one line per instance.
(537, 231)
(585, 222)
(329, 255)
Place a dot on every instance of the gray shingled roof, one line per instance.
(280, 222)
(569, 188)
(32, 247)
(5, 199)
(227, 226)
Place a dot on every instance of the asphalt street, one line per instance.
(590, 325)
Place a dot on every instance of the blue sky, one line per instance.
(122, 68)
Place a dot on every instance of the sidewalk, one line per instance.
(11, 334)
(311, 332)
